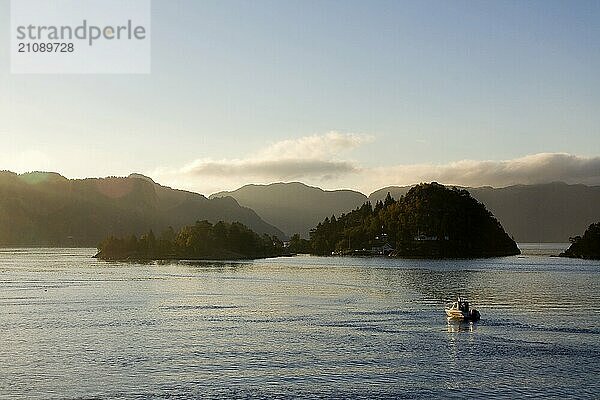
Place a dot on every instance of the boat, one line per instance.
(461, 310)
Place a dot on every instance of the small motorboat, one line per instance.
(461, 310)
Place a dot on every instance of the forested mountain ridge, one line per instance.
(47, 209)
(550, 212)
(43, 208)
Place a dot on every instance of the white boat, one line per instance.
(460, 309)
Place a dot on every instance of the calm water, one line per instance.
(75, 327)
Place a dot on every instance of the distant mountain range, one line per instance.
(43, 208)
(550, 212)
(530, 213)
(295, 207)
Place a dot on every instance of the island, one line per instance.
(430, 221)
(586, 246)
(201, 241)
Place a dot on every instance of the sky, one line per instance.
(337, 94)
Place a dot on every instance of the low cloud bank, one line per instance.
(306, 157)
(323, 160)
(270, 169)
(535, 168)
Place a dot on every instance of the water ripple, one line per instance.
(306, 327)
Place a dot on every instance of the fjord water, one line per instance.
(75, 327)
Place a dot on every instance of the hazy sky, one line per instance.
(332, 93)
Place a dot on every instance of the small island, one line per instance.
(430, 221)
(201, 241)
(586, 246)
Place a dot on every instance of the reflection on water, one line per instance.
(76, 327)
(455, 325)
(441, 286)
(542, 249)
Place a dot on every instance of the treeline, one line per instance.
(586, 246)
(200, 241)
(429, 221)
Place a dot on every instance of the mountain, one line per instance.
(43, 208)
(550, 212)
(294, 207)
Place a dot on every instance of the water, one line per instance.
(308, 327)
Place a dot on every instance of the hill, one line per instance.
(294, 207)
(430, 221)
(47, 209)
(549, 213)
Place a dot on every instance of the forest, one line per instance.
(203, 240)
(430, 221)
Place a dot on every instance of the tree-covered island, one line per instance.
(430, 221)
(202, 241)
(586, 246)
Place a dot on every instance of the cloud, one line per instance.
(314, 158)
(277, 169)
(535, 168)
(323, 160)
(315, 146)
(305, 157)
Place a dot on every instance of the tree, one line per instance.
(299, 245)
(389, 200)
